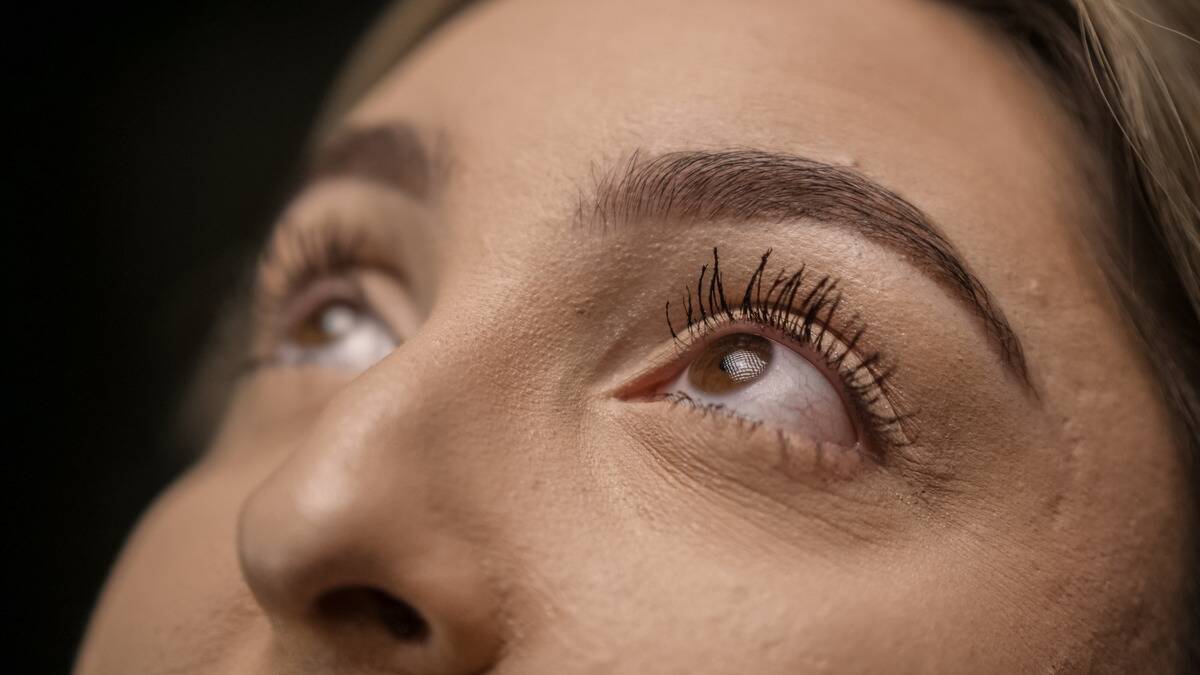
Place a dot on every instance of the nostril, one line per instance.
(401, 619)
(371, 606)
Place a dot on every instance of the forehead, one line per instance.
(528, 101)
(912, 92)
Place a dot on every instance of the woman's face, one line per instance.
(532, 395)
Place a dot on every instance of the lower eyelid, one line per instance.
(878, 420)
(801, 309)
(737, 445)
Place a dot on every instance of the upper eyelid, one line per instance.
(310, 252)
(745, 185)
(808, 324)
(740, 184)
(889, 427)
(295, 256)
(317, 294)
(302, 249)
(698, 341)
(817, 298)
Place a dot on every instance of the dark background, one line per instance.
(153, 144)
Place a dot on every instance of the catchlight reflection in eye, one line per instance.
(761, 380)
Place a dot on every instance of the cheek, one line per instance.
(668, 582)
(176, 594)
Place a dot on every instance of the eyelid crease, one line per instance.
(295, 256)
(746, 184)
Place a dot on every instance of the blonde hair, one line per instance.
(1144, 56)
(1142, 60)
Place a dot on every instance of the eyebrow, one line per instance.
(746, 185)
(705, 186)
(391, 155)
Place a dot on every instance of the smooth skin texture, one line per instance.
(505, 471)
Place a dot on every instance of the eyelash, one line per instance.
(298, 257)
(808, 314)
(293, 261)
(802, 312)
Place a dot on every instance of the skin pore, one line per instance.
(533, 481)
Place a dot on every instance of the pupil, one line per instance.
(742, 365)
(326, 325)
(337, 320)
(731, 363)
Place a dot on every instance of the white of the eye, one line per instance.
(359, 340)
(791, 394)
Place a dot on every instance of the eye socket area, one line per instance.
(761, 380)
(332, 324)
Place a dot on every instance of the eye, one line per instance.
(761, 380)
(339, 333)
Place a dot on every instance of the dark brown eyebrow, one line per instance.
(696, 186)
(391, 155)
(745, 185)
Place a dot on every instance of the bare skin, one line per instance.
(522, 469)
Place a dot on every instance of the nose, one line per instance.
(354, 550)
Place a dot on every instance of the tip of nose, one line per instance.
(374, 607)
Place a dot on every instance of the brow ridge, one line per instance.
(747, 184)
(390, 155)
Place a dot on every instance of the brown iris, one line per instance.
(327, 324)
(730, 363)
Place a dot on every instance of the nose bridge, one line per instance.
(364, 523)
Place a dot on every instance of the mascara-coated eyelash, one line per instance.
(300, 262)
(805, 311)
(295, 257)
